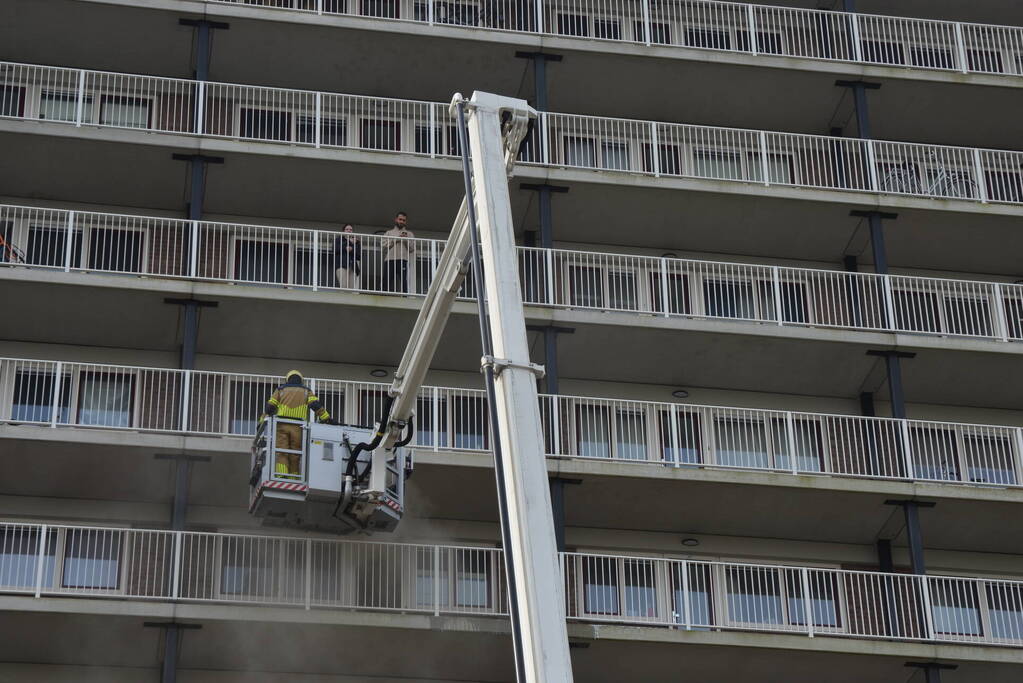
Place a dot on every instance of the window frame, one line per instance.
(661, 587)
(770, 422)
(638, 272)
(448, 556)
(571, 425)
(234, 242)
(599, 140)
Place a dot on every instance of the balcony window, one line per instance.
(469, 588)
(265, 124)
(380, 134)
(385, 9)
(19, 556)
(608, 29)
(106, 398)
(701, 604)
(600, 586)
(669, 159)
(260, 261)
(431, 586)
(935, 453)
(753, 595)
(932, 57)
(726, 299)
(573, 25)
(638, 589)
(716, 164)
(916, 311)
(12, 100)
(456, 13)
(445, 140)
(882, 52)
(472, 578)
(678, 293)
(630, 435)
(371, 406)
(954, 607)
(680, 437)
(989, 459)
(92, 559)
(431, 421)
(245, 405)
(1005, 610)
(469, 421)
(116, 250)
(325, 277)
(967, 315)
(708, 38)
(768, 42)
(808, 447)
(780, 168)
(988, 61)
(247, 567)
(125, 112)
(593, 431)
(660, 34)
(55, 105)
(793, 298)
(741, 442)
(614, 156)
(580, 151)
(333, 132)
(823, 599)
(47, 246)
(33, 397)
(1004, 186)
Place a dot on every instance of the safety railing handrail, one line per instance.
(843, 28)
(145, 399)
(207, 108)
(201, 250)
(44, 559)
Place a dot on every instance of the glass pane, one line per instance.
(127, 112)
(955, 608)
(246, 405)
(630, 433)
(117, 250)
(741, 443)
(808, 448)
(622, 288)
(91, 559)
(823, 606)
(700, 606)
(257, 261)
(19, 556)
(989, 459)
(609, 29)
(678, 293)
(600, 581)
(580, 151)
(247, 567)
(586, 286)
(61, 106)
(935, 453)
(263, 124)
(1005, 610)
(711, 164)
(469, 420)
(754, 595)
(724, 299)
(12, 100)
(33, 397)
(967, 315)
(46, 246)
(378, 134)
(106, 399)
(916, 311)
(472, 578)
(687, 448)
(593, 431)
(640, 596)
(615, 156)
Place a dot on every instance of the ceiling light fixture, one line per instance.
(690, 542)
(680, 393)
(378, 372)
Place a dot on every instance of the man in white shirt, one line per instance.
(398, 249)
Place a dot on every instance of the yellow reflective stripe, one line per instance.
(281, 468)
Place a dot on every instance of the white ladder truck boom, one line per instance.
(368, 477)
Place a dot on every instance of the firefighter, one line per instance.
(292, 400)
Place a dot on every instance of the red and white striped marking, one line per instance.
(284, 486)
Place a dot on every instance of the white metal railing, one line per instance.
(569, 279)
(186, 566)
(58, 394)
(702, 24)
(329, 120)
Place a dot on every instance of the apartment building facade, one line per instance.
(768, 256)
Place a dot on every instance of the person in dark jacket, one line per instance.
(348, 257)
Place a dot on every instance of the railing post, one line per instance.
(906, 450)
(676, 445)
(1018, 457)
(58, 382)
(646, 21)
(176, 573)
(545, 137)
(776, 286)
(200, 108)
(549, 276)
(41, 558)
(556, 448)
(429, 12)
(435, 417)
(319, 6)
(316, 260)
(318, 135)
(655, 150)
(308, 573)
(687, 609)
(69, 241)
(807, 601)
(436, 581)
(855, 26)
(978, 171)
(751, 25)
(925, 596)
(80, 102)
(193, 251)
(186, 394)
(432, 127)
(433, 259)
(664, 288)
(872, 166)
(539, 16)
(889, 302)
(763, 152)
(790, 427)
(1001, 330)
(964, 63)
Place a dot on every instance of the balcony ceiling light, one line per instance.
(378, 372)
(680, 393)
(690, 542)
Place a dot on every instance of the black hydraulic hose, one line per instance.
(351, 470)
(408, 437)
(488, 373)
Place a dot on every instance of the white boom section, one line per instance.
(543, 635)
(541, 599)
